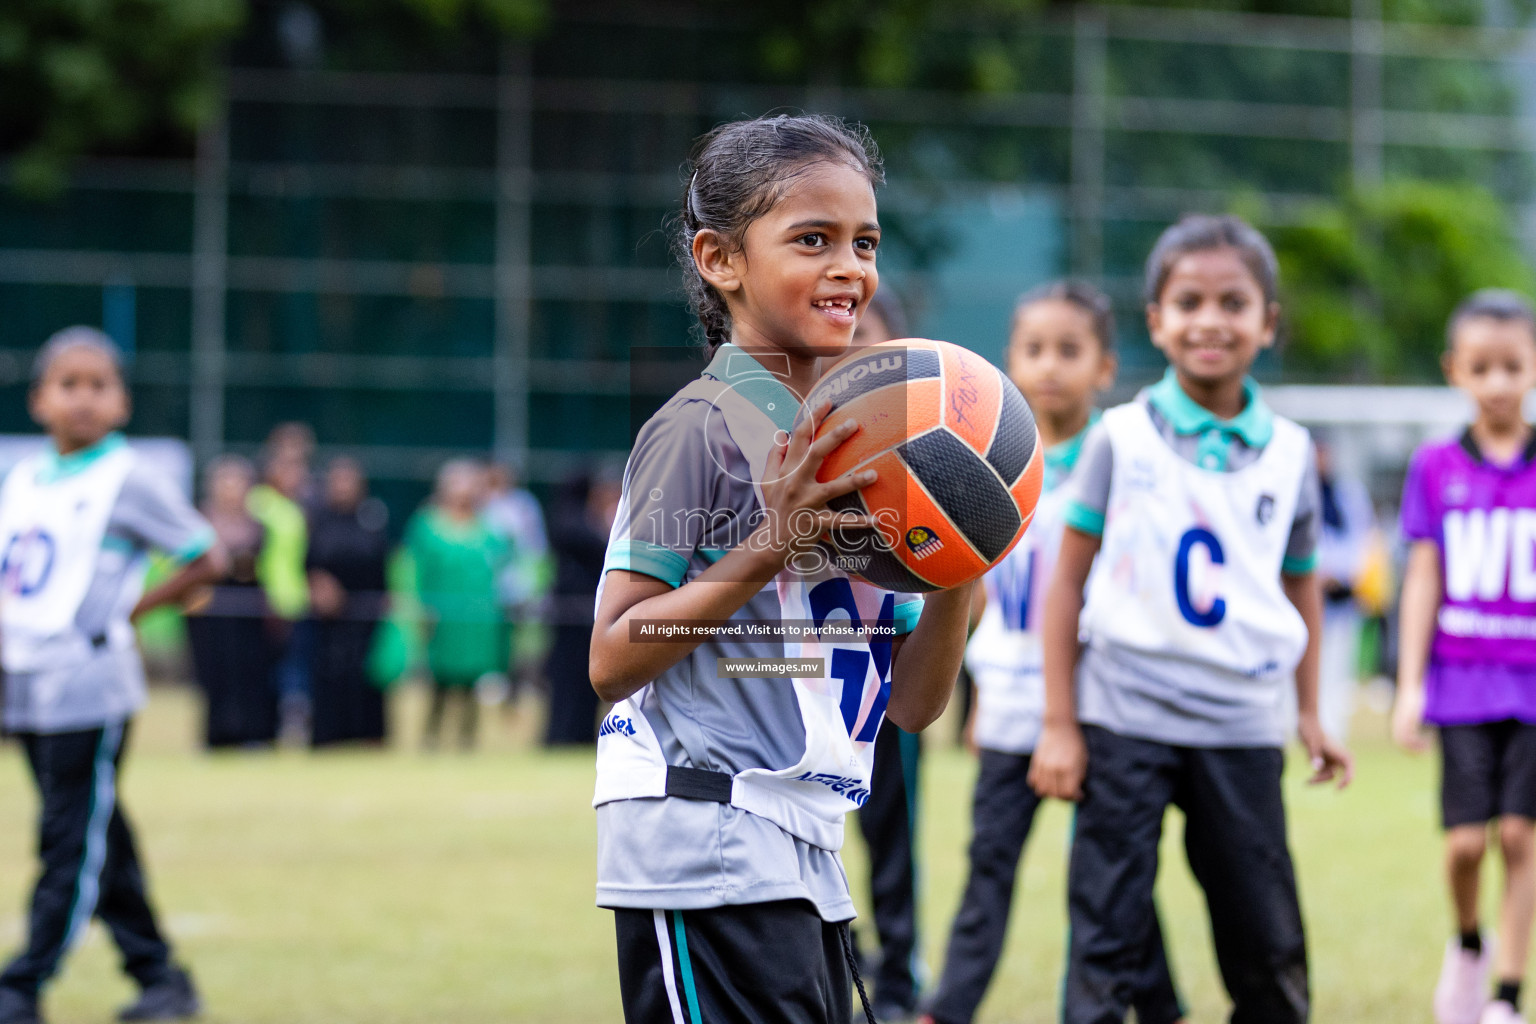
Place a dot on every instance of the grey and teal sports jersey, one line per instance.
(104, 683)
(690, 497)
(1182, 696)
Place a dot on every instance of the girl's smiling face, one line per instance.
(805, 269)
(1212, 318)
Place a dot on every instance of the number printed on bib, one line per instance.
(852, 666)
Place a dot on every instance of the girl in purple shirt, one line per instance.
(1467, 661)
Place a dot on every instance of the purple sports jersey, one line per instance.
(1482, 667)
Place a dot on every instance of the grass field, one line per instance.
(392, 886)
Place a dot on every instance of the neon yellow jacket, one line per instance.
(280, 565)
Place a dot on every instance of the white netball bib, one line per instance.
(1189, 568)
(1004, 654)
(840, 712)
(51, 533)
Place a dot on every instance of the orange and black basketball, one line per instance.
(957, 453)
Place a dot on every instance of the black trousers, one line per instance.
(1234, 837)
(89, 865)
(755, 963)
(888, 821)
(233, 658)
(572, 701)
(1002, 811)
(345, 706)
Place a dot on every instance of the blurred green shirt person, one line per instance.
(458, 558)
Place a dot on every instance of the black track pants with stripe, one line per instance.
(89, 865)
(755, 963)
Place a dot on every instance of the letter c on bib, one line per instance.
(1218, 609)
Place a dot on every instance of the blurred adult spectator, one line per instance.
(275, 503)
(1344, 544)
(512, 511)
(233, 649)
(457, 559)
(295, 442)
(582, 517)
(348, 550)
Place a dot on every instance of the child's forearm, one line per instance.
(619, 666)
(1058, 626)
(1416, 611)
(794, 515)
(978, 606)
(205, 569)
(1060, 761)
(1330, 761)
(1060, 650)
(1305, 592)
(928, 663)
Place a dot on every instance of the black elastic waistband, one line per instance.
(699, 784)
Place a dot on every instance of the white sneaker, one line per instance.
(1461, 995)
(1500, 1012)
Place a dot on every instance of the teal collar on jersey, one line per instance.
(57, 467)
(1061, 457)
(749, 378)
(1253, 426)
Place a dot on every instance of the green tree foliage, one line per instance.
(914, 42)
(1435, 12)
(81, 75)
(1369, 280)
(419, 35)
(1370, 277)
(888, 43)
(520, 17)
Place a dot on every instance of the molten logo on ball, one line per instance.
(837, 385)
(956, 451)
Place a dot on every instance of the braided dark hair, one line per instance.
(738, 172)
